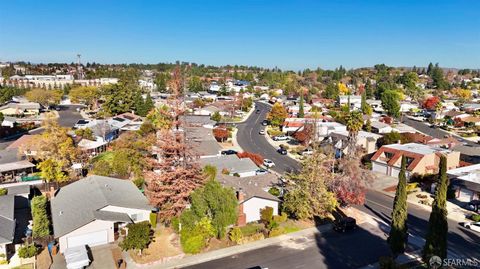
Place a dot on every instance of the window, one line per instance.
(409, 160)
(389, 155)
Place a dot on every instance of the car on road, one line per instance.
(261, 172)
(282, 151)
(433, 126)
(257, 111)
(262, 132)
(229, 152)
(265, 122)
(474, 226)
(268, 163)
(280, 138)
(345, 224)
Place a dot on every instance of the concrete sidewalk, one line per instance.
(225, 252)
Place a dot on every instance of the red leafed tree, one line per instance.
(175, 175)
(351, 182)
(431, 102)
(220, 134)
(256, 158)
(305, 135)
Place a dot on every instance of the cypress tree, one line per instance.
(436, 240)
(149, 105)
(397, 240)
(301, 112)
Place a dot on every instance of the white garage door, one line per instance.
(465, 195)
(90, 239)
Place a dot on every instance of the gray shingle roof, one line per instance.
(7, 222)
(74, 205)
(251, 186)
(231, 163)
(202, 141)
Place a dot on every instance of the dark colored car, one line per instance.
(345, 224)
(265, 122)
(258, 111)
(282, 151)
(474, 205)
(229, 152)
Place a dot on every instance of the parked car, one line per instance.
(262, 132)
(474, 226)
(345, 224)
(265, 122)
(229, 152)
(307, 151)
(282, 151)
(268, 163)
(258, 111)
(261, 172)
(280, 138)
(473, 205)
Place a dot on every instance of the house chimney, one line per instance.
(242, 218)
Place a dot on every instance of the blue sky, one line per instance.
(289, 34)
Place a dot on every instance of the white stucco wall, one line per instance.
(94, 226)
(142, 215)
(252, 207)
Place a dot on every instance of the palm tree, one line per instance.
(354, 123)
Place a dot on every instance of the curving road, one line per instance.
(250, 140)
(330, 250)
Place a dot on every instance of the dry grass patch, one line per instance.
(165, 244)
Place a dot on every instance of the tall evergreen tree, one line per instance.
(398, 237)
(369, 89)
(301, 112)
(436, 240)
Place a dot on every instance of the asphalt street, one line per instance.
(433, 132)
(331, 250)
(250, 140)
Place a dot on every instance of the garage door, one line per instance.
(90, 239)
(465, 195)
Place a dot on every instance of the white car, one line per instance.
(262, 132)
(474, 225)
(268, 163)
(280, 138)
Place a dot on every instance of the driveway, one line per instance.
(101, 257)
(68, 115)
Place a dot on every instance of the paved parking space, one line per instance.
(101, 258)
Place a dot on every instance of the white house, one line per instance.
(91, 210)
(252, 194)
(355, 101)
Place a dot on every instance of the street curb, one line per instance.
(225, 252)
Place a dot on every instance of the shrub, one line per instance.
(3, 191)
(258, 236)
(272, 225)
(138, 238)
(285, 146)
(193, 244)
(225, 171)
(274, 191)
(411, 187)
(266, 215)
(475, 217)
(280, 218)
(139, 182)
(153, 219)
(27, 251)
(41, 223)
(194, 239)
(236, 235)
(276, 232)
(175, 222)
